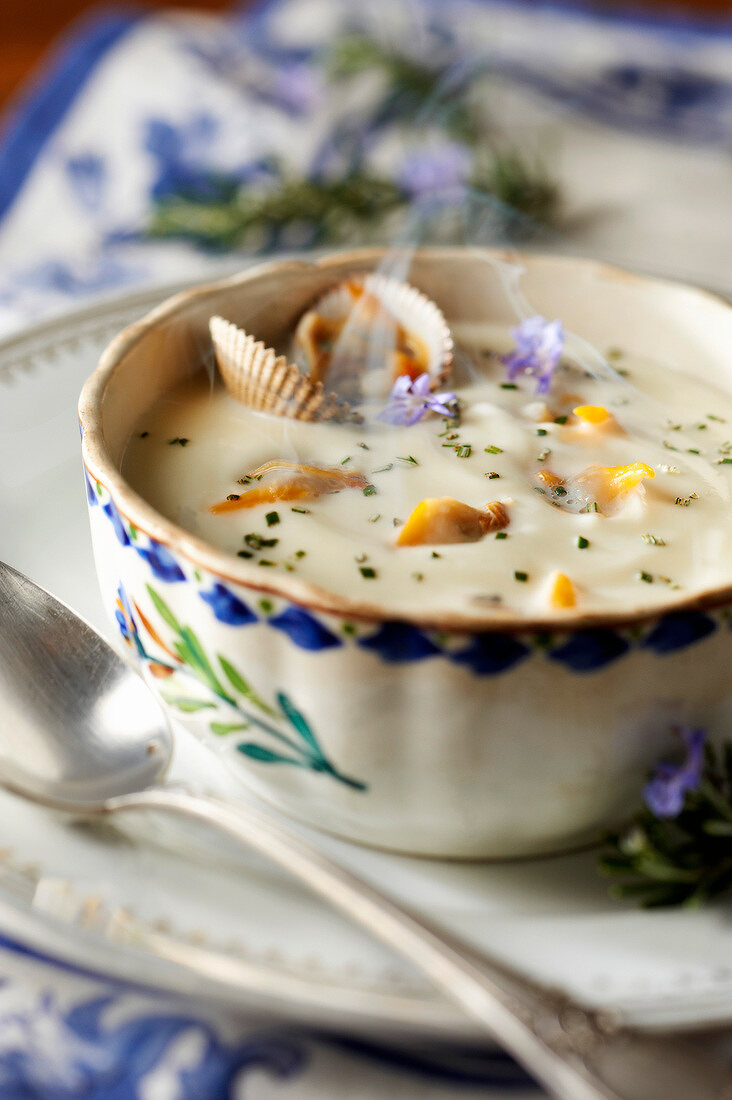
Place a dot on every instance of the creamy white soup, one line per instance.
(599, 496)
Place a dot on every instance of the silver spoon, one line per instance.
(80, 732)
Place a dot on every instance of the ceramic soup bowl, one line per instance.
(436, 738)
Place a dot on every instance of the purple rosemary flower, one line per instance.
(409, 401)
(665, 792)
(433, 169)
(296, 89)
(538, 350)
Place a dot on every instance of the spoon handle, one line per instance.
(575, 1053)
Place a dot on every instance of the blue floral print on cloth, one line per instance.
(69, 1036)
(241, 118)
(110, 1061)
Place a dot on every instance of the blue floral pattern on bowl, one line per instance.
(288, 737)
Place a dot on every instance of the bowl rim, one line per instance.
(226, 567)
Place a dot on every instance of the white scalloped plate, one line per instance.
(120, 905)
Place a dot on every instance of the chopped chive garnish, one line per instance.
(418, 576)
(233, 496)
(367, 572)
(300, 553)
(364, 445)
(435, 554)
(493, 450)
(454, 435)
(369, 490)
(266, 606)
(592, 507)
(719, 419)
(345, 460)
(582, 542)
(542, 431)
(702, 427)
(373, 519)
(614, 353)
(669, 446)
(543, 455)
(501, 535)
(256, 542)
(509, 386)
(693, 451)
(465, 451)
(246, 480)
(560, 491)
(653, 540)
(724, 462)
(519, 575)
(302, 511)
(397, 522)
(492, 475)
(383, 469)
(686, 501)
(181, 441)
(643, 576)
(263, 561)
(560, 419)
(272, 518)
(244, 554)
(408, 458)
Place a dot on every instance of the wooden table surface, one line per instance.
(28, 28)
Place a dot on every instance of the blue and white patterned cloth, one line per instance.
(138, 114)
(67, 1036)
(634, 120)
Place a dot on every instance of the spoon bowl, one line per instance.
(78, 725)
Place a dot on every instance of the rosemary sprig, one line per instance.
(332, 208)
(662, 858)
(221, 211)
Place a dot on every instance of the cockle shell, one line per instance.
(363, 338)
(260, 378)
